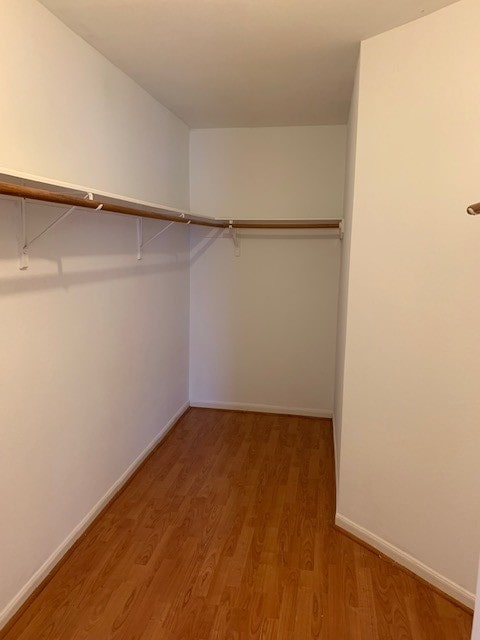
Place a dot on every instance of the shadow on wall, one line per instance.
(200, 243)
(82, 249)
(203, 239)
(11, 286)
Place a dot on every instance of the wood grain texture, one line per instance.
(166, 214)
(409, 572)
(227, 532)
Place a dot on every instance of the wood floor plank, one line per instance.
(227, 532)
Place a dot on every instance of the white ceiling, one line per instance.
(237, 63)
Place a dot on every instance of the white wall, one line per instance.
(68, 114)
(344, 273)
(411, 406)
(94, 346)
(263, 325)
(271, 172)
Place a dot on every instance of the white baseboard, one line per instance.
(262, 408)
(409, 562)
(15, 604)
(336, 455)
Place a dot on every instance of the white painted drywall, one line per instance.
(94, 346)
(268, 172)
(344, 272)
(411, 406)
(68, 114)
(263, 325)
(476, 619)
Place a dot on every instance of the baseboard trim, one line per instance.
(336, 455)
(45, 573)
(262, 408)
(454, 592)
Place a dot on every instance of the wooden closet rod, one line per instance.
(474, 209)
(43, 195)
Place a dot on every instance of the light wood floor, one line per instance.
(227, 533)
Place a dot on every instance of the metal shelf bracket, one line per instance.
(141, 244)
(25, 244)
(235, 238)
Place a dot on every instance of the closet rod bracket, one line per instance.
(139, 238)
(235, 238)
(22, 246)
(25, 244)
(341, 226)
(141, 244)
